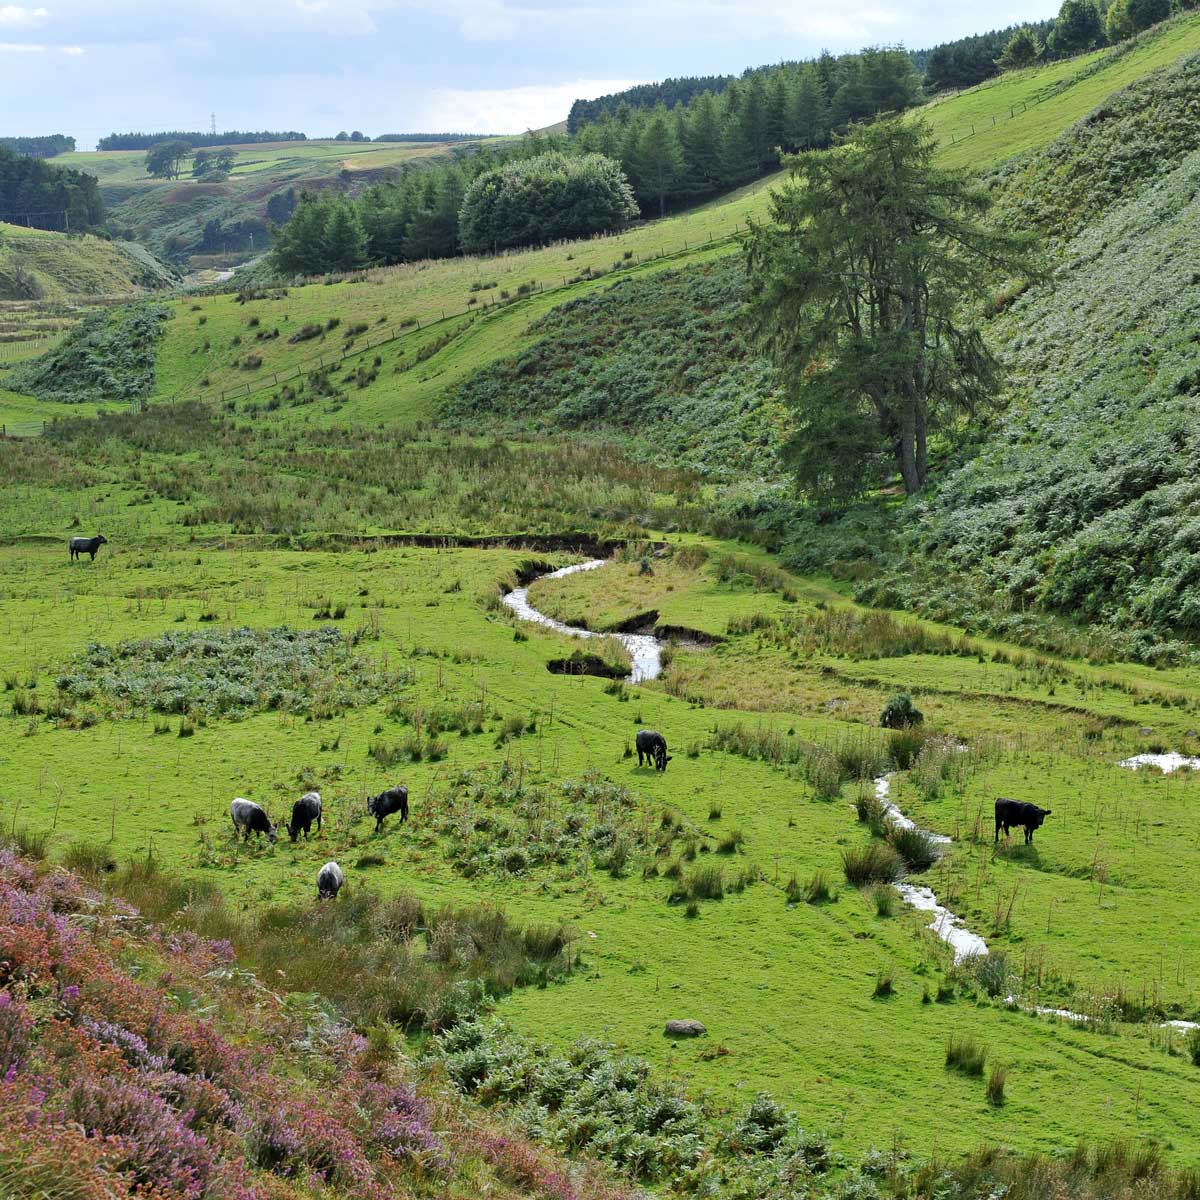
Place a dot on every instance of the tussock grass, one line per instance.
(875, 862)
(965, 1054)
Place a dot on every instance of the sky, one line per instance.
(398, 66)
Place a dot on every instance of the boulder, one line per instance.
(685, 1029)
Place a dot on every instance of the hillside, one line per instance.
(38, 265)
(170, 216)
(1083, 503)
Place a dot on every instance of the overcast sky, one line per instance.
(394, 66)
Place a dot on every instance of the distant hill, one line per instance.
(214, 222)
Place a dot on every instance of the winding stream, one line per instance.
(644, 649)
(646, 652)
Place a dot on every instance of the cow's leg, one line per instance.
(996, 839)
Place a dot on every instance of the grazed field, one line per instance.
(1097, 908)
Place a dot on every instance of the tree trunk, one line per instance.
(922, 426)
(907, 452)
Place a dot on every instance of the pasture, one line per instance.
(504, 759)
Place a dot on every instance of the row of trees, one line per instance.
(37, 193)
(166, 160)
(231, 137)
(1081, 25)
(39, 147)
(667, 157)
(668, 93)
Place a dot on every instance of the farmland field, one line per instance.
(457, 701)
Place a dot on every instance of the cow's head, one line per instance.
(293, 829)
(1040, 815)
(661, 758)
(101, 540)
(272, 833)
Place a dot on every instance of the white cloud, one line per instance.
(506, 110)
(18, 14)
(71, 51)
(21, 48)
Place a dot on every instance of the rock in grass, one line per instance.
(685, 1029)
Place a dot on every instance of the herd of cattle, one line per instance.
(249, 817)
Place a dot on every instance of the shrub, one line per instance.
(706, 883)
(901, 713)
(818, 890)
(884, 984)
(997, 1078)
(917, 848)
(876, 862)
(731, 841)
(886, 899)
(963, 1053)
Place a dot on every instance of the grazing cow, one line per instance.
(305, 811)
(329, 881)
(393, 800)
(652, 747)
(249, 818)
(1011, 813)
(79, 546)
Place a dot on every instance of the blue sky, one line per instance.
(489, 66)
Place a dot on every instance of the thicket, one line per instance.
(548, 198)
(105, 358)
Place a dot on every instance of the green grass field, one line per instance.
(1098, 909)
(1025, 110)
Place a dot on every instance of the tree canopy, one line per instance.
(861, 288)
(544, 199)
(38, 193)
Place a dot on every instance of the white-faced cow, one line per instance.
(249, 818)
(79, 546)
(1013, 813)
(393, 800)
(305, 811)
(329, 881)
(652, 747)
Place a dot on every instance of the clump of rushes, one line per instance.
(875, 862)
(965, 1054)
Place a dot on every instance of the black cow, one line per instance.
(249, 818)
(1011, 813)
(329, 881)
(393, 800)
(305, 811)
(79, 546)
(652, 747)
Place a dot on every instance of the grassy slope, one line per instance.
(1057, 95)
(69, 267)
